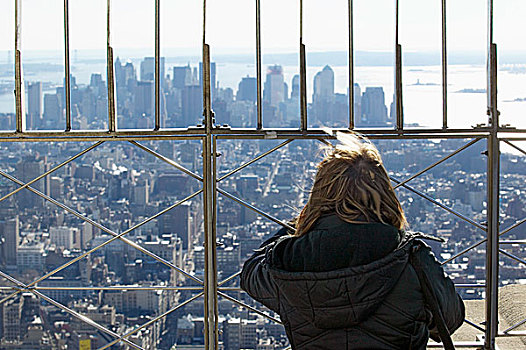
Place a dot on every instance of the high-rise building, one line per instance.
(323, 85)
(247, 89)
(12, 314)
(10, 231)
(66, 237)
(28, 168)
(295, 93)
(52, 109)
(34, 105)
(182, 76)
(357, 91)
(274, 91)
(213, 85)
(144, 98)
(192, 105)
(373, 107)
(148, 69)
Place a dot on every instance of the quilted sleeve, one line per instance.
(255, 276)
(449, 301)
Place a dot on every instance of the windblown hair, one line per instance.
(352, 182)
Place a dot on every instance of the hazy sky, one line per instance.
(231, 24)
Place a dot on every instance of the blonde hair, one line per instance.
(352, 182)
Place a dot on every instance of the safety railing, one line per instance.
(208, 133)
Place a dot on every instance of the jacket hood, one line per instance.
(342, 297)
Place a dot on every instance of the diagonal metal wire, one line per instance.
(116, 236)
(515, 225)
(454, 212)
(168, 160)
(65, 308)
(246, 306)
(438, 162)
(228, 279)
(515, 326)
(259, 211)
(255, 159)
(512, 256)
(474, 325)
(27, 184)
(473, 246)
(514, 146)
(152, 321)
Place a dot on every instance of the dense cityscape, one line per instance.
(120, 186)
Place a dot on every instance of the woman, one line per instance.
(343, 279)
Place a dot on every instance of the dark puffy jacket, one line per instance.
(349, 286)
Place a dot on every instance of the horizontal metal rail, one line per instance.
(246, 306)
(55, 168)
(152, 321)
(66, 309)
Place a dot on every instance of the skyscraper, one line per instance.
(295, 93)
(274, 91)
(34, 105)
(357, 104)
(212, 77)
(192, 105)
(144, 98)
(28, 168)
(373, 107)
(323, 85)
(9, 230)
(247, 89)
(182, 76)
(148, 69)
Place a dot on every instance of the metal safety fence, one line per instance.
(208, 133)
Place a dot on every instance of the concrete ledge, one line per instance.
(512, 310)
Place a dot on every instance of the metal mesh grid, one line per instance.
(209, 133)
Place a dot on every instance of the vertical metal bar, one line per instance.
(209, 199)
(258, 65)
(67, 71)
(303, 75)
(351, 64)
(209, 195)
(444, 66)
(112, 123)
(19, 80)
(492, 245)
(157, 67)
(398, 74)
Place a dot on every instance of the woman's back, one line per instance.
(338, 287)
(344, 280)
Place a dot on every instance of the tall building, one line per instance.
(247, 89)
(65, 237)
(213, 81)
(52, 109)
(148, 69)
(182, 76)
(34, 105)
(10, 232)
(323, 85)
(192, 106)
(28, 168)
(373, 107)
(357, 91)
(144, 98)
(295, 92)
(274, 91)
